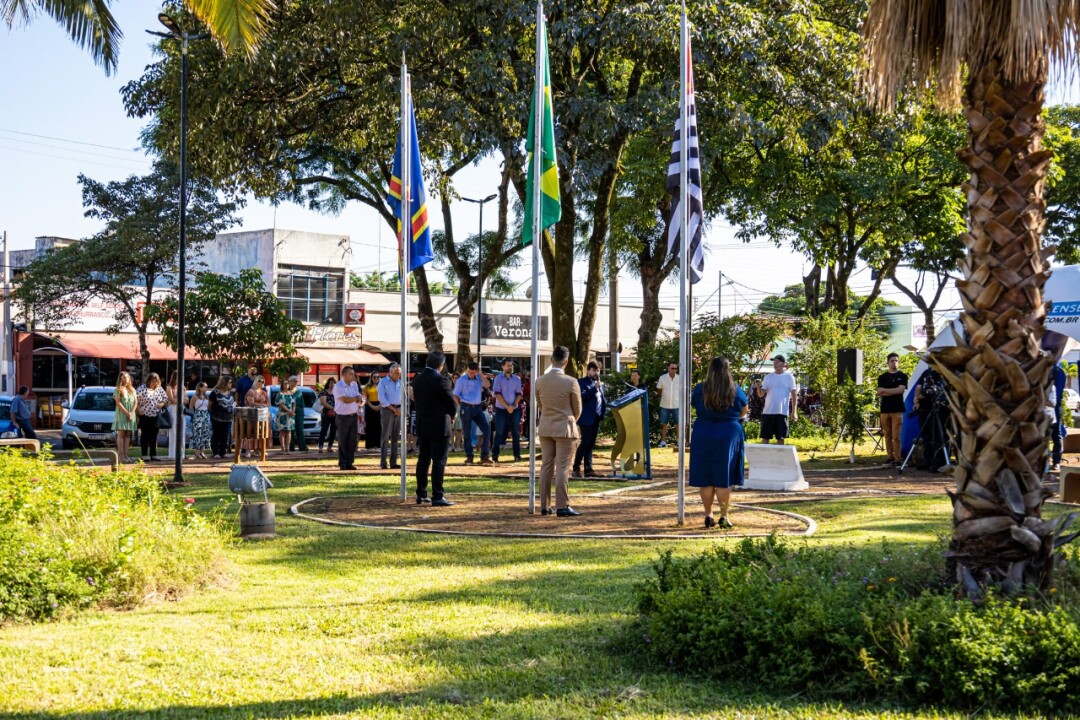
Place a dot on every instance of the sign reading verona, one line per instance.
(510, 327)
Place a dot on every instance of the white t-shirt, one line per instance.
(778, 389)
(669, 388)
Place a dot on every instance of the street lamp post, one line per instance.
(177, 33)
(480, 274)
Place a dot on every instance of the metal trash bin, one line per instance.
(630, 458)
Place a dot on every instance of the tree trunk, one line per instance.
(466, 302)
(425, 311)
(812, 288)
(558, 258)
(998, 375)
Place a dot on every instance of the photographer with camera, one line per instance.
(933, 407)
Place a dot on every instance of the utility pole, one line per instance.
(8, 352)
(480, 275)
(613, 306)
(720, 298)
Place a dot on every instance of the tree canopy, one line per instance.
(132, 260)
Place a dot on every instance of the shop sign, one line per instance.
(332, 336)
(355, 314)
(511, 327)
(327, 369)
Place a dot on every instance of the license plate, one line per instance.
(98, 436)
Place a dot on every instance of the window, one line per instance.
(312, 295)
(99, 401)
(50, 372)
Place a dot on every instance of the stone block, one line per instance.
(774, 467)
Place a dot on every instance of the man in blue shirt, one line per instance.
(593, 407)
(390, 417)
(245, 383)
(470, 394)
(507, 389)
(20, 414)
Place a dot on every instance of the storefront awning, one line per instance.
(342, 356)
(123, 346)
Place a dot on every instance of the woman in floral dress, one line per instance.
(286, 416)
(199, 405)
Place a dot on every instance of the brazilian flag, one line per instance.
(550, 207)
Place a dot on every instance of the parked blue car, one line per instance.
(7, 428)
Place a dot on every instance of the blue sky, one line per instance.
(62, 115)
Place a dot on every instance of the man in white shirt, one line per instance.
(669, 385)
(781, 395)
(346, 403)
(390, 417)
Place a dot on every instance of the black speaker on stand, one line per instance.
(849, 363)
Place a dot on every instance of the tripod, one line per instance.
(937, 427)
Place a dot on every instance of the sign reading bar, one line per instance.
(510, 327)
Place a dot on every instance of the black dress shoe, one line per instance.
(567, 512)
(422, 500)
(384, 466)
(395, 466)
(547, 511)
(349, 467)
(441, 502)
(710, 522)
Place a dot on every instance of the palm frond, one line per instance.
(89, 23)
(239, 25)
(930, 43)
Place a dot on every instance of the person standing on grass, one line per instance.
(436, 407)
(256, 397)
(125, 420)
(593, 407)
(20, 413)
(507, 392)
(470, 393)
(669, 386)
(151, 400)
(346, 405)
(172, 392)
(390, 418)
(558, 400)
(372, 413)
(286, 414)
(891, 386)
(201, 427)
(781, 395)
(298, 438)
(717, 457)
(1057, 426)
(221, 416)
(328, 427)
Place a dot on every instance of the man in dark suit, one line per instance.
(435, 409)
(593, 407)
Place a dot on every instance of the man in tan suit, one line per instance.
(558, 400)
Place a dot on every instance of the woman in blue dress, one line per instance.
(718, 450)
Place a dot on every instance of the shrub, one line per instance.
(859, 623)
(73, 538)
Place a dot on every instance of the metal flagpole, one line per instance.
(684, 226)
(406, 246)
(538, 145)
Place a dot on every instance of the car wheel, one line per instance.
(68, 444)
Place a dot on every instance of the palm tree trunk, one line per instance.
(998, 375)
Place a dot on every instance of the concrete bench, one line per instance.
(1070, 484)
(24, 443)
(111, 457)
(774, 467)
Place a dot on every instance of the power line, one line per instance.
(73, 142)
(70, 159)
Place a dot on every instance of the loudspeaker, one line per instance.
(849, 365)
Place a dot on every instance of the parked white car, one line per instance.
(1072, 399)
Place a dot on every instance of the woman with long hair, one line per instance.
(151, 400)
(256, 397)
(717, 455)
(221, 416)
(172, 393)
(201, 428)
(286, 414)
(125, 421)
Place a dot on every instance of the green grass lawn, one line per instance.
(330, 622)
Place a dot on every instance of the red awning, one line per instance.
(342, 356)
(124, 346)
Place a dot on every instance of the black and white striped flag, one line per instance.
(696, 257)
